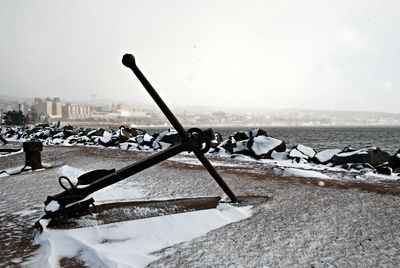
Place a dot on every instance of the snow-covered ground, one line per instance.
(130, 243)
(301, 225)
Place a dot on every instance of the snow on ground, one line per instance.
(304, 173)
(8, 154)
(130, 243)
(116, 192)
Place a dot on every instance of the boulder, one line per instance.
(240, 136)
(241, 147)
(296, 154)
(165, 139)
(394, 161)
(217, 140)
(384, 169)
(107, 139)
(262, 146)
(303, 152)
(145, 140)
(325, 156)
(373, 156)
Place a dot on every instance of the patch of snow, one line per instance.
(118, 192)
(147, 137)
(130, 243)
(71, 173)
(380, 177)
(305, 173)
(279, 156)
(241, 146)
(106, 137)
(52, 206)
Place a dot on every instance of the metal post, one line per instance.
(32, 151)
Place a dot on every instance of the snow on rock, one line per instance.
(263, 146)
(241, 147)
(372, 155)
(106, 139)
(130, 243)
(232, 142)
(325, 156)
(52, 206)
(295, 154)
(302, 152)
(310, 152)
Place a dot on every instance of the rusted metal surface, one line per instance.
(134, 210)
(32, 151)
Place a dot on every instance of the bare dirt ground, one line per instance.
(343, 224)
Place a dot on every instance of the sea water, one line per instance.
(320, 138)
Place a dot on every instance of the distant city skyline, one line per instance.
(339, 55)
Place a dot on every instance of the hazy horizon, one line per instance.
(339, 56)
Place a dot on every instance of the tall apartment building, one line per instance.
(74, 112)
(47, 106)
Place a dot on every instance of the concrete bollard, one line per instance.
(32, 151)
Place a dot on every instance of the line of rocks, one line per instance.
(256, 143)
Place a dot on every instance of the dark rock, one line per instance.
(228, 144)
(124, 135)
(255, 132)
(358, 166)
(394, 160)
(67, 133)
(165, 139)
(217, 140)
(240, 136)
(384, 169)
(373, 156)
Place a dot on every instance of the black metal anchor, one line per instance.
(74, 200)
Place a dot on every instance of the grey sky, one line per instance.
(341, 55)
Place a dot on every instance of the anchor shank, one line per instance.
(129, 61)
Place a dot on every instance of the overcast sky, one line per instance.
(340, 55)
